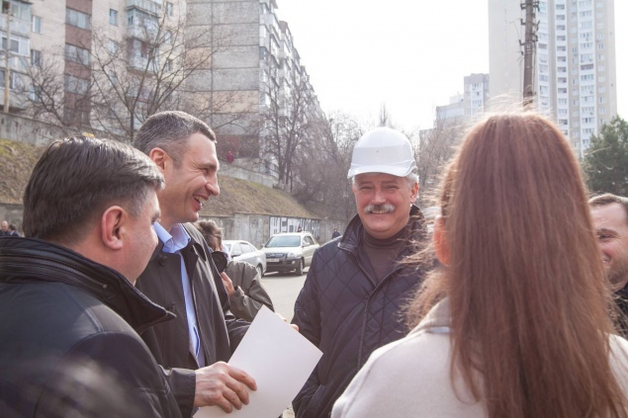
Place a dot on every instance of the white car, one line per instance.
(245, 251)
(290, 251)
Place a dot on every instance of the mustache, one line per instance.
(383, 208)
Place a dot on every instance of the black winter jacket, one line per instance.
(63, 317)
(219, 330)
(348, 314)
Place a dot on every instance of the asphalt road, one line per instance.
(283, 289)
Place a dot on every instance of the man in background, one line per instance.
(13, 231)
(4, 228)
(610, 217)
(241, 279)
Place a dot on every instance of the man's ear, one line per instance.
(112, 222)
(440, 242)
(159, 157)
(415, 191)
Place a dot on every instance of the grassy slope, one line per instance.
(17, 161)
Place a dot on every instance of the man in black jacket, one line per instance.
(352, 300)
(181, 274)
(70, 313)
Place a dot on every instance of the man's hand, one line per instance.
(226, 281)
(223, 386)
(294, 326)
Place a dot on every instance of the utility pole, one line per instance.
(7, 62)
(529, 51)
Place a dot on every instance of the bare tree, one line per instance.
(146, 72)
(324, 163)
(384, 117)
(433, 148)
(123, 81)
(288, 118)
(46, 94)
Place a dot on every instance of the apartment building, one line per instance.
(470, 105)
(574, 72)
(107, 64)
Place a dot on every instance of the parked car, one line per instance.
(292, 251)
(245, 251)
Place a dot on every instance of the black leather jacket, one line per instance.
(347, 313)
(61, 311)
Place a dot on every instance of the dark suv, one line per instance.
(290, 251)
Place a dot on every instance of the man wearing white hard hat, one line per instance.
(353, 298)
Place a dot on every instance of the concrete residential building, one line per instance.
(476, 94)
(470, 105)
(454, 110)
(575, 75)
(218, 57)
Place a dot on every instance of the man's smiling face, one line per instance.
(190, 182)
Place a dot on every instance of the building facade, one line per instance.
(574, 71)
(106, 65)
(468, 106)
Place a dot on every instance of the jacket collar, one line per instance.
(353, 233)
(30, 260)
(193, 245)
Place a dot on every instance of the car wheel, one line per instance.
(299, 270)
(260, 271)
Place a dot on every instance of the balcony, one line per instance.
(148, 6)
(18, 27)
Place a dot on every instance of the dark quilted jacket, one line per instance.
(348, 314)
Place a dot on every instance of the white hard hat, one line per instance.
(382, 150)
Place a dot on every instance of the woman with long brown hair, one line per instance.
(516, 321)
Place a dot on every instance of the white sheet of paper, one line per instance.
(278, 358)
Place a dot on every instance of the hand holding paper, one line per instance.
(223, 385)
(278, 358)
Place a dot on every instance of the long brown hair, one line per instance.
(527, 290)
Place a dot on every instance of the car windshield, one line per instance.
(284, 241)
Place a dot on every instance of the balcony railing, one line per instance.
(148, 6)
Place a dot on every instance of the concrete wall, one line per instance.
(257, 229)
(30, 131)
(231, 170)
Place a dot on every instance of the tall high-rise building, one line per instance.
(574, 71)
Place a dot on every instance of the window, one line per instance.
(75, 116)
(35, 58)
(113, 17)
(74, 84)
(76, 54)
(113, 47)
(11, 79)
(36, 94)
(36, 24)
(15, 45)
(169, 8)
(76, 18)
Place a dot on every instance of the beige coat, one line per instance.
(410, 377)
